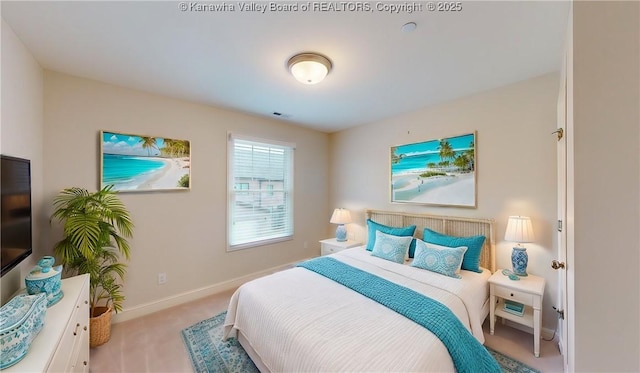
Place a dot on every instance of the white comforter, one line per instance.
(299, 321)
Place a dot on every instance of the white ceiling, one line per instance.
(237, 59)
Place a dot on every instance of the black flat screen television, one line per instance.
(15, 210)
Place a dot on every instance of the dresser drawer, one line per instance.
(74, 339)
(62, 357)
(514, 295)
(80, 339)
(80, 358)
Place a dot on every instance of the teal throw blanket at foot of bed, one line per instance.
(467, 353)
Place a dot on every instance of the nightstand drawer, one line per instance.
(326, 249)
(332, 246)
(514, 295)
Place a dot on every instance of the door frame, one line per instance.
(566, 183)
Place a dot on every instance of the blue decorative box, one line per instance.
(44, 278)
(21, 319)
(513, 307)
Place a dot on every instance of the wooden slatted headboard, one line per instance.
(453, 226)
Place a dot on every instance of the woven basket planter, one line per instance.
(100, 327)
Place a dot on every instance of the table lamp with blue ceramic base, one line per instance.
(341, 217)
(519, 230)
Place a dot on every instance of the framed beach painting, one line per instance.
(435, 172)
(137, 163)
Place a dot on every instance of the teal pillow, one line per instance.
(404, 231)
(440, 259)
(471, 261)
(390, 247)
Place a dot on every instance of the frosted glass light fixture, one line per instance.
(309, 68)
(519, 230)
(341, 217)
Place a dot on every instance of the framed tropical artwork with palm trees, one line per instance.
(435, 172)
(137, 163)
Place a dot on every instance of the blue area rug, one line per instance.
(210, 354)
(510, 365)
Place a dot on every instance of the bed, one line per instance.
(298, 320)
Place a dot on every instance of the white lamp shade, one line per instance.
(340, 216)
(519, 229)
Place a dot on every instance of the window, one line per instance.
(260, 192)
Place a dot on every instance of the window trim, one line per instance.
(230, 187)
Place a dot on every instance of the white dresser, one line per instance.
(63, 343)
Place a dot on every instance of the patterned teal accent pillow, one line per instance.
(404, 231)
(390, 247)
(440, 259)
(471, 261)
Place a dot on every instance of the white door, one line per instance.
(560, 263)
(564, 132)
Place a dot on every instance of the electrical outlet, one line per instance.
(162, 278)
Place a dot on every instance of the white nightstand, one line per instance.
(528, 291)
(331, 245)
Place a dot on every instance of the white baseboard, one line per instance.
(178, 299)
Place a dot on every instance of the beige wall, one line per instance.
(516, 165)
(181, 233)
(606, 164)
(21, 131)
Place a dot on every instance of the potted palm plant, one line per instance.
(96, 226)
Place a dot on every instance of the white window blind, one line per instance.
(260, 192)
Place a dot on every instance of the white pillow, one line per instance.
(440, 259)
(390, 247)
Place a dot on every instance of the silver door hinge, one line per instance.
(559, 225)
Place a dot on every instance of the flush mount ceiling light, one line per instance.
(309, 68)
